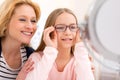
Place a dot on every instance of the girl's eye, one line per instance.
(59, 27)
(73, 27)
(22, 19)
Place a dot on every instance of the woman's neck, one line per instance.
(9, 47)
(11, 53)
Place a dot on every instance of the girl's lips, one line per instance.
(67, 39)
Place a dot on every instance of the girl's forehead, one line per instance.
(65, 18)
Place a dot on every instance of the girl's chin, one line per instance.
(67, 45)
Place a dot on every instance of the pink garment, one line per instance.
(67, 74)
(78, 68)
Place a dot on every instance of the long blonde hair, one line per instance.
(7, 10)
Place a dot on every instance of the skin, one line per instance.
(66, 39)
(20, 30)
(22, 25)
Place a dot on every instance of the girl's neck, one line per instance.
(63, 58)
(64, 53)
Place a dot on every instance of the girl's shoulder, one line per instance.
(36, 56)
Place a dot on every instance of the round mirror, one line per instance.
(102, 31)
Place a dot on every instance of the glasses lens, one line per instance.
(60, 27)
(73, 28)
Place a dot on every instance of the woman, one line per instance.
(62, 55)
(18, 19)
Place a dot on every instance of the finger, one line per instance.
(55, 39)
(92, 67)
(29, 67)
(90, 58)
(27, 62)
(46, 36)
(55, 35)
(48, 30)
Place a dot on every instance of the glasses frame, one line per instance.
(66, 26)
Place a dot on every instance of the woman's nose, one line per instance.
(30, 25)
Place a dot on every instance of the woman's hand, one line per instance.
(78, 39)
(50, 40)
(92, 65)
(28, 66)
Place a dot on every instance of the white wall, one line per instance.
(1, 1)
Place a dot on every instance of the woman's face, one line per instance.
(22, 25)
(66, 38)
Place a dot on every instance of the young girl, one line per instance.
(64, 56)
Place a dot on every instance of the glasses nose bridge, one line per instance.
(67, 27)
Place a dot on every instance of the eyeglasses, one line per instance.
(63, 27)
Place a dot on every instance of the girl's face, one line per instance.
(66, 38)
(22, 25)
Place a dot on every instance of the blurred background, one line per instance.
(80, 8)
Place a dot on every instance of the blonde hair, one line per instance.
(7, 10)
(51, 21)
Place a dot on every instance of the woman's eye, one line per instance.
(22, 19)
(34, 21)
